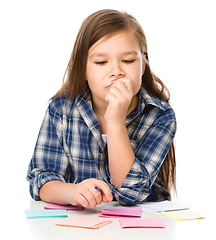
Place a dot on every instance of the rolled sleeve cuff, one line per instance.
(136, 186)
(42, 178)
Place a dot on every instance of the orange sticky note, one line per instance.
(84, 223)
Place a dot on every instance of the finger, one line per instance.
(116, 91)
(90, 197)
(82, 200)
(120, 89)
(105, 189)
(91, 194)
(105, 200)
(110, 97)
(97, 192)
(121, 93)
(127, 83)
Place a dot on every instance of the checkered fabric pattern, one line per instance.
(70, 147)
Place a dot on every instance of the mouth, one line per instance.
(111, 84)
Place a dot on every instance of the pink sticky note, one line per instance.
(67, 207)
(142, 223)
(112, 216)
(83, 223)
(122, 212)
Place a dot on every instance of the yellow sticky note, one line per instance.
(182, 215)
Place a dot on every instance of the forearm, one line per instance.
(55, 192)
(120, 152)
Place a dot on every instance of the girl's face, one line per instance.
(117, 57)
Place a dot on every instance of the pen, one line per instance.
(97, 188)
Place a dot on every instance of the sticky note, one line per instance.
(83, 223)
(67, 207)
(182, 215)
(122, 212)
(163, 206)
(44, 213)
(142, 223)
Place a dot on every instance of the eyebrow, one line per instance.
(130, 53)
(106, 54)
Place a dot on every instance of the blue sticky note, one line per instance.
(45, 213)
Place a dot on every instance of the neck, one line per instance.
(99, 107)
(134, 103)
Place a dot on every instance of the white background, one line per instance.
(36, 40)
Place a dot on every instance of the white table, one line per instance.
(45, 229)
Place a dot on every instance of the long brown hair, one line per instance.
(102, 24)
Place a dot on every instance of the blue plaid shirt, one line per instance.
(70, 147)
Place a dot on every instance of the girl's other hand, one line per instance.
(86, 194)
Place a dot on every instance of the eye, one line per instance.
(101, 63)
(128, 61)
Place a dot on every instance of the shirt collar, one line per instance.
(84, 103)
(86, 97)
(147, 99)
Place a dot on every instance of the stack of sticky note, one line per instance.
(67, 207)
(182, 215)
(133, 212)
(84, 223)
(142, 223)
(163, 206)
(44, 213)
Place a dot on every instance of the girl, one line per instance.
(108, 132)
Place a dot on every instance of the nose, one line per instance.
(116, 71)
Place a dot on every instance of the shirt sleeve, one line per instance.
(149, 158)
(49, 161)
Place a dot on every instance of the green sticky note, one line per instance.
(45, 213)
